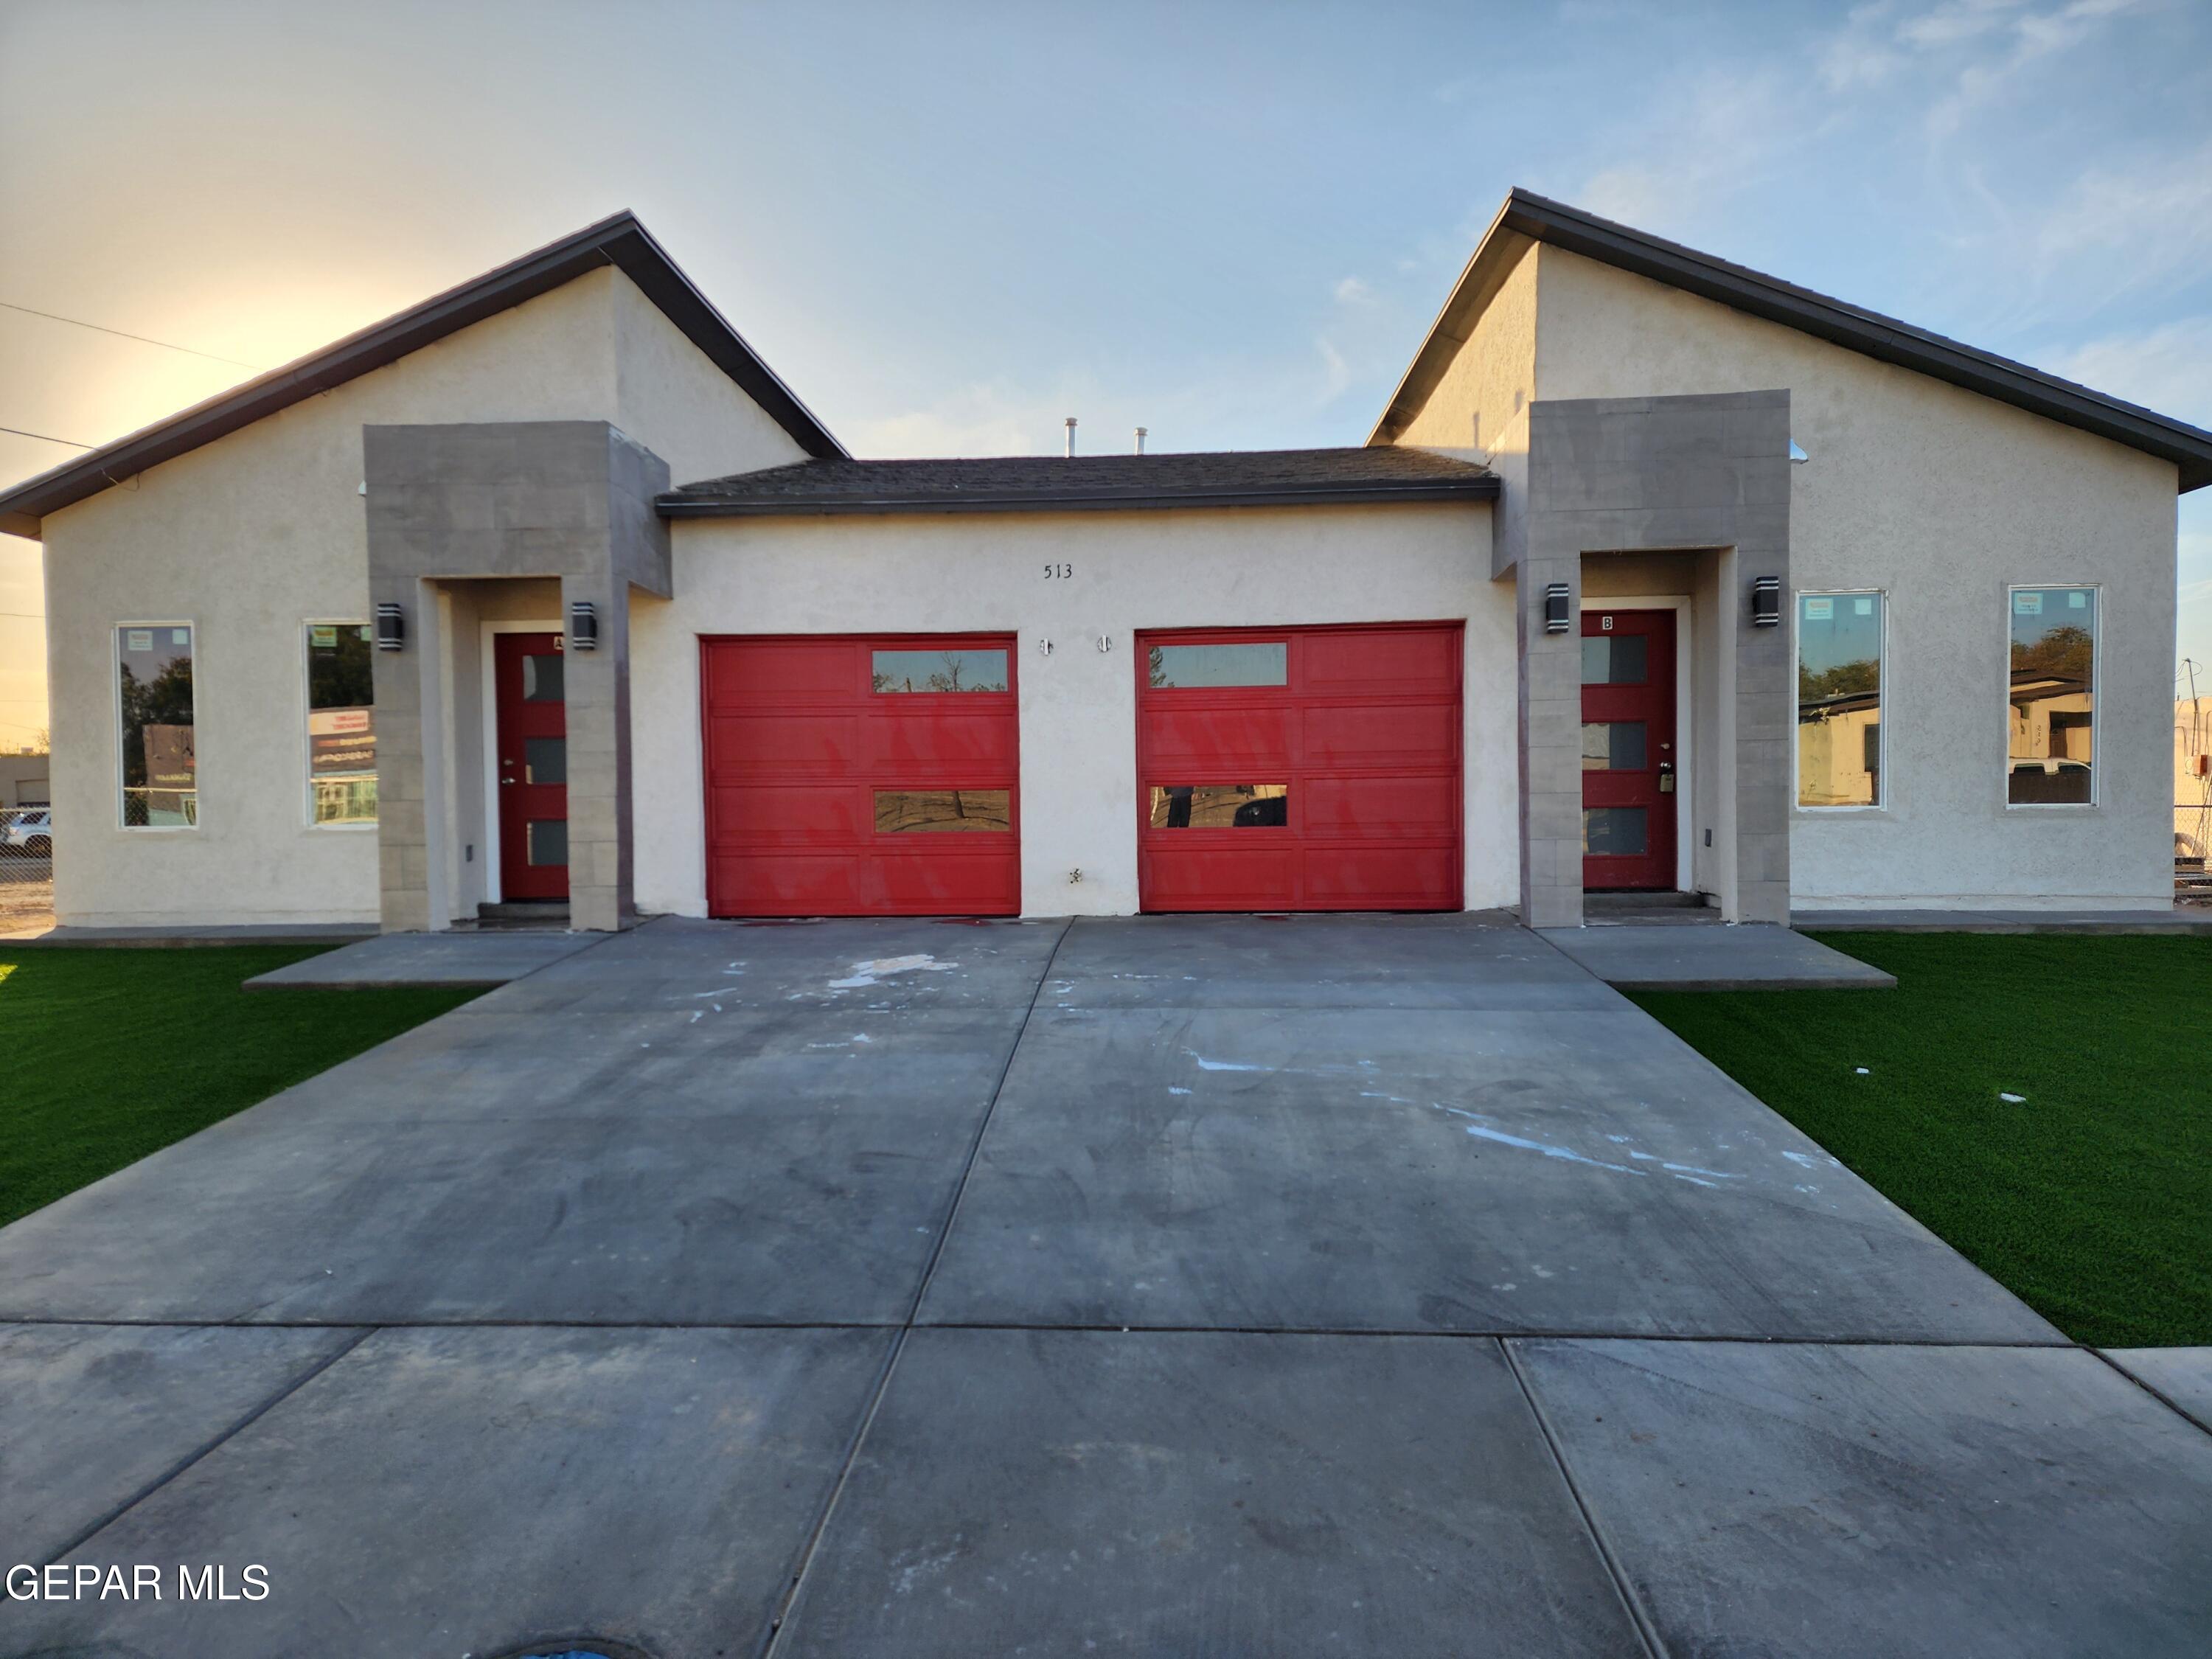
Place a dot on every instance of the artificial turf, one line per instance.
(110, 1055)
(2091, 1196)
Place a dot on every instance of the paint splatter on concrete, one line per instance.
(878, 968)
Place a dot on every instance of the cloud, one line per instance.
(2157, 215)
(1977, 46)
(2168, 368)
(1353, 292)
(993, 418)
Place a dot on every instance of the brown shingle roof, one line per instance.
(1013, 483)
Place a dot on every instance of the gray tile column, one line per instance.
(1629, 475)
(571, 500)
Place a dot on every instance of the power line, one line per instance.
(28, 616)
(120, 334)
(66, 443)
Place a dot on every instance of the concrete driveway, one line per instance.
(1210, 1286)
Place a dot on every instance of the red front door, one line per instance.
(1628, 749)
(1299, 768)
(851, 775)
(529, 681)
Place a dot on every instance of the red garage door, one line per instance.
(861, 776)
(1299, 768)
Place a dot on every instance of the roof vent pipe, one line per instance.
(1140, 440)
(1071, 435)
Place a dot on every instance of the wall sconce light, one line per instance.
(1555, 609)
(1767, 602)
(583, 626)
(391, 626)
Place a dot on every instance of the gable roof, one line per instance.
(1525, 219)
(620, 242)
(1037, 484)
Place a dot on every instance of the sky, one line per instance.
(948, 226)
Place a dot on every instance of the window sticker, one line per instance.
(1862, 606)
(2027, 604)
(2077, 600)
(1820, 610)
(323, 637)
(141, 639)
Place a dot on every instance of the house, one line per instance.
(1656, 573)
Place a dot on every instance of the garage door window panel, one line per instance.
(1220, 806)
(909, 672)
(1201, 667)
(930, 811)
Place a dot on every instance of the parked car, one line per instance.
(27, 832)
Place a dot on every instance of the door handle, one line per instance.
(1665, 777)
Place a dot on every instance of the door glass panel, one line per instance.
(1613, 659)
(547, 840)
(939, 671)
(1613, 746)
(1183, 667)
(2054, 696)
(1220, 806)
(1615, 831)
(545, 760)
(544, 680)
(904, 812)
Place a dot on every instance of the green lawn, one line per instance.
(106, 1056)
(2091, 1198)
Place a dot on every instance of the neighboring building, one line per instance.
(547, 590)
(2192, 783)
(23, 780)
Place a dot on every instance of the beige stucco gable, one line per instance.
(252, 535)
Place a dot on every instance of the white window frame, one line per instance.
(2096, 697)
(115, 697)
(307, 735)
(1796, 658)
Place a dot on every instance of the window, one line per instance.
(939, 671)
(1613, 659)
(161, 777)
(1185, 667)
(1220, 806)
(1839, 640)
(2052, 758)
(341, 723)
(1614, 745)
(905, 811)
(1616, 831)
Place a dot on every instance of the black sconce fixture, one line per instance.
(1767, 602)
(391, 626)
(583, 626)
(1555, 608)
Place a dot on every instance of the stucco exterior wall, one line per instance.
(250, 537)
(670, 397)
(1940, 498)
(1480, 408)
(923, 573)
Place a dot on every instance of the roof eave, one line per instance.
(619, 241)
(677, 505)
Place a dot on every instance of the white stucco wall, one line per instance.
(1940, 498)
(984, 572)
(250, 537)
(671, 399)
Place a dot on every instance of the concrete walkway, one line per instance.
(1638, 957)
(1208, 1285)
